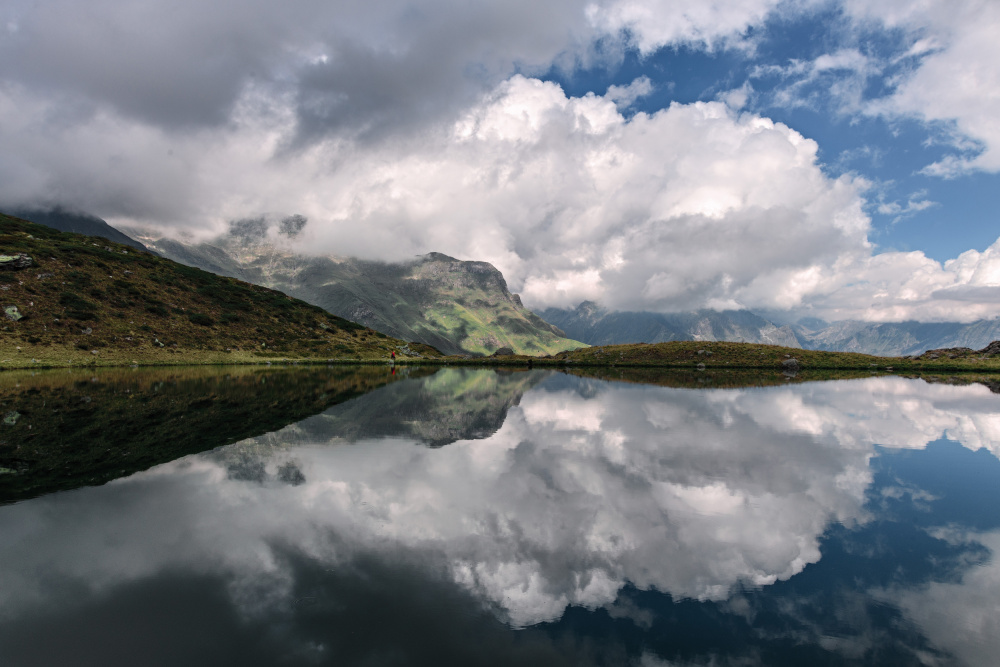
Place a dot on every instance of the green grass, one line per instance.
(695, 355)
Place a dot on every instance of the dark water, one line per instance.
(473, 517)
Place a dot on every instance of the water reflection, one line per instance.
(71, 428)
(834, 522)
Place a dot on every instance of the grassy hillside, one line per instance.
(459, 307)
(85, 300)
(723, 355)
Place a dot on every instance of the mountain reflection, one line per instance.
(847, 521)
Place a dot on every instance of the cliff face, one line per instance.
(594, 325)
(459, 307)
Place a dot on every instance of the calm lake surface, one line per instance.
(466, 517)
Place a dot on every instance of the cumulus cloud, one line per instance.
(585, 487)
(394, 140)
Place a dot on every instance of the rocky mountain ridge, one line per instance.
(459, 307)
(895, 338)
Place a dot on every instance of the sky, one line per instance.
(833, 159)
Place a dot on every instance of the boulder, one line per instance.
(15, 262)
(991, 349)
(503, 352)
(12, 314)
(790, 365)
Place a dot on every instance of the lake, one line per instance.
(368, 516)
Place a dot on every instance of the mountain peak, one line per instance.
(438, 257)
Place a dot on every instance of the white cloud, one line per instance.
(915, 203)
(955, 78)
(839, 77)
(656, 23)
(625, 96)
(694, 205)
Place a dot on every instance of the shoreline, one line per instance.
(680, 355)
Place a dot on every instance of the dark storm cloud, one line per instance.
(168, 64)
(370, 67)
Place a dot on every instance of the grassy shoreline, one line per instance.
(691, 355)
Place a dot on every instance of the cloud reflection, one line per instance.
(586, 486)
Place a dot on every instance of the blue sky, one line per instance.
(821, 158)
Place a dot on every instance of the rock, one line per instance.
(12, 314)
(791, 365)
(11, 417)
(503, 352)
(290, 474)
(701, 367)
(991, 349)
(15, 262)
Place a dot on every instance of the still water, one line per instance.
(475, 517)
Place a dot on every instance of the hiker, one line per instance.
(393, 353)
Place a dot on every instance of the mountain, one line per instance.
(595, 325)
(78, 223)
(74, 299)
(459, 307)
(894, 338)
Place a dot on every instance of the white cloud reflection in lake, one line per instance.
(586, 486)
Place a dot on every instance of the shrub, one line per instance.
(79, 279)
(201, 319)
(73, 301)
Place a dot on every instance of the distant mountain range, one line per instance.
(895, 338)
(459, 307)
(595, 325)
